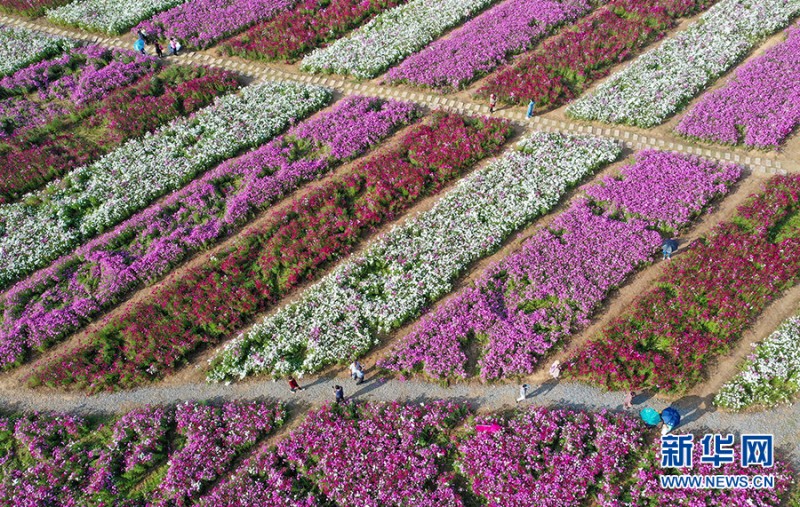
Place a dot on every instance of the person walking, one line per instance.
(139, 45)
(174, 46)
(492, 102)
(555, 369)
(523, 392)
(531, 107)
(159, 49)
(668, 247)
(356, 372)
(339, 392)
(628, 404)
(293, 385)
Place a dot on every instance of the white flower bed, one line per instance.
(772, 373)
(20, 47)
(109, 16)
(663, 80)
(91, 199)
(391, 36)
(415, 263)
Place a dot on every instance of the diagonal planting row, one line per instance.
(381, 455)
(205, 304)
(416, 263)
(662, 81)
(68, 111)
(770, 375)
(200, 23)
(110, 16)
(20, 47)
(528, 303)
(30, 8)
(93, 198)
(759, 107)
(310, 24)
(567, 64)
(391, 36)
(704, 300)
(485, 42)
(60, 299)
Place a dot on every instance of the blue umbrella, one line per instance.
(671, 417)
(650, 416)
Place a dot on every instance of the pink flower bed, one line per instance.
(551, 458)
(378, 455)
(200, 23)
(532, 300)
(485, 42)
(759, 106)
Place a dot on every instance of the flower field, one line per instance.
(200, 23)
(110, 16)
(150, 456)
(759, 107)
(20, 47)
(93, 198)
(371, 454)
(57, 301)
(661, 82)
(215, 299)
(68, 111)
(704, 300)
(416, 263)
(535, 298)
(310, 24)
(29, 7)
(390, 37)
(485, 42)
(568, 63)
(771, 374)
(544, 457)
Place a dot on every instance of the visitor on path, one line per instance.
(139, 45)
(142, 34)
(492, 102)
(159, 49)
(523, 392)
(671, 419)
(555, 369)
(174, 46)
(668, 247)
(355, 369)
(293, 385)
(339, 392)
(650, 416)
(628, 403)
(531, 107)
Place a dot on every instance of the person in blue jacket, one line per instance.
(139, 45)
(531, 107)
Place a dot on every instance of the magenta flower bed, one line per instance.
(647, 492)
(759, 107)
(486, 42)
(263, 479)
(378, 455)
(551, 458)
(62, 298)
(529, 302)
(200, 23)
(215, 436)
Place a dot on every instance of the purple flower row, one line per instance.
(759, 107)
(551, 457)
(200, 23)
(486, 42)
(18, 115)
(62, 298)
(536, 297)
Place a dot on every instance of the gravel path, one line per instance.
(698, 413)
